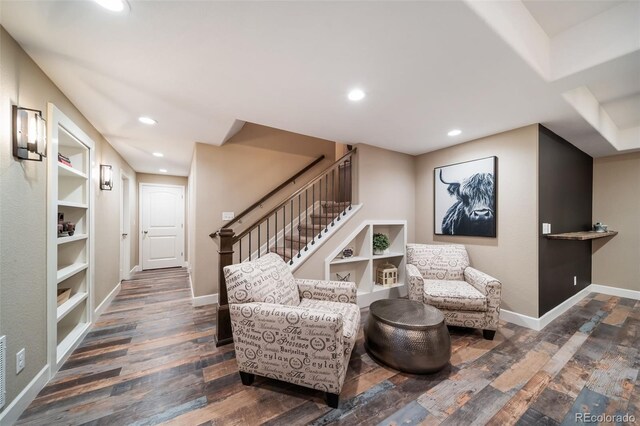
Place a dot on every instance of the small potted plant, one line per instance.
(380, 243)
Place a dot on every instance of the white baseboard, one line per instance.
(107, 301)
(185, 264)
(614, 291)
(134, 269)
(13, 411)
(210, 299)
(520, 319)
(540, 323)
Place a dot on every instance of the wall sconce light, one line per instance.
(29, 134)
(106, 177)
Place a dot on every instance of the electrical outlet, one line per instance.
(20, 360)
(228, 215)
(575, 280)
(546, 228)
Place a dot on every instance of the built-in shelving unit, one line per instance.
(70, 257)
(361, 267)
(582, 235)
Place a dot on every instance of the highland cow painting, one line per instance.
(465, 198)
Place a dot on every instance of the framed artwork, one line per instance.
(465, 198)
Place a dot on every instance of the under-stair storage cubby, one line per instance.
(70, 236)
(361, 266)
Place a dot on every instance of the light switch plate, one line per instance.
(228, 215)
(20, 361)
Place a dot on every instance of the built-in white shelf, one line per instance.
(378, 287)
(67, 171)
(388, 255)
(70, 259)
(350, 260)
(72, 335)
(70, 304)
(361, 268)
(71, 270)
(63, 203)
(75, 237)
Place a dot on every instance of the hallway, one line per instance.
(151, 359)
(143, 360)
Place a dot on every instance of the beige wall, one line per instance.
(169, 180)
(512, 257)
(23, 210)
(234, 176)
(107, 215)
(384, 183)
(616, 202)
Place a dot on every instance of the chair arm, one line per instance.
(416, 283)
(484, 283)
(332, 291)
(288, 342)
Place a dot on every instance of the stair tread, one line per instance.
(337, 203)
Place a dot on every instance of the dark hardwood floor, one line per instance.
(151, 359)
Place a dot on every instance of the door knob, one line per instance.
(124, 235)
(145, 232)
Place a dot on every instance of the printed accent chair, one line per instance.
(298, 331)
(439, 275)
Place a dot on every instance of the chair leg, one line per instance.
(488, 334)
(333, 400)
(247, 378)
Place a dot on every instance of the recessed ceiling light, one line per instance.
(454, 132)
(163, 170)
(356, 95)
(158, 154)
(147, 120)
(112, 5)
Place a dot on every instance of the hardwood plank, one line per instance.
(552, 404)
(525, 369)
(151, 358)
(534, 418)
(589, 402)
(480, 409)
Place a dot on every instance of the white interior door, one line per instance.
(162, 226)
(125, 229)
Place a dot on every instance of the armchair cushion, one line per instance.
(350, 317)
(439, 261)
(333, 291)
(416, 283)
(267, 279)
(454, 295)
(290, 343)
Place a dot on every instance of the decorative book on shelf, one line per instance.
(64, 160)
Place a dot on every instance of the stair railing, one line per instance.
(273, 192)
(330, 193)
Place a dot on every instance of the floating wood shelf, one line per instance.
(581, 236)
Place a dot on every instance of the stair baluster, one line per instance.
(313, 223)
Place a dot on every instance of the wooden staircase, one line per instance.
(293, 229)
(311, 229)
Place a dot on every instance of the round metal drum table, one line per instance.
(408, 336)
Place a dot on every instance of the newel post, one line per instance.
(225, 258)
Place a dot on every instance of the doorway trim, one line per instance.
(141, 231)
(125, 225)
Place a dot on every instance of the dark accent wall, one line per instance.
(565, 193)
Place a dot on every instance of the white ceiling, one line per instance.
(201, 68)
(556, 16)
